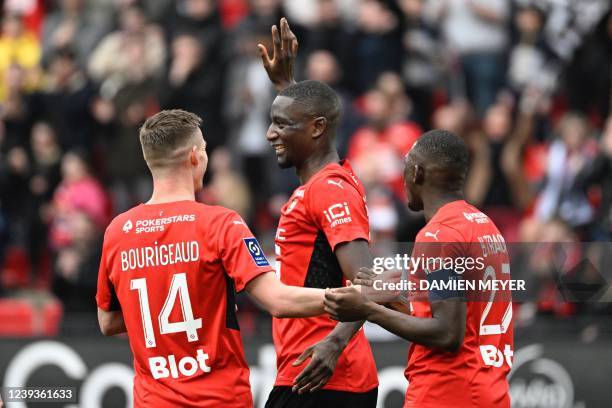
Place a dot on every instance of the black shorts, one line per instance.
(282, 397)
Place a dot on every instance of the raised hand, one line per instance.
(280, 66)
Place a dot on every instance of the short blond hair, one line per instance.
(168, 135)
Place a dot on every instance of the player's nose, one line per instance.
(271, 134)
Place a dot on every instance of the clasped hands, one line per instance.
(357, 300)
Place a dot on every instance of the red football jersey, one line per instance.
(475, 376)
(328, 210)
(172, 270)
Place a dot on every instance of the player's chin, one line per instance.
(414, 205)
(283, 162)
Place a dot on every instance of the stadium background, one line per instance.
(525, 82)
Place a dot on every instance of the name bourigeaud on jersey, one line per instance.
(155, 224)
(159, 255)
(337, 214)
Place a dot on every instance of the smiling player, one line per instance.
(322, 240)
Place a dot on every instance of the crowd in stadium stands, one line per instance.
(525, 82)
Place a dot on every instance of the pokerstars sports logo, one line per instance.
(477, 217)
(256, 252)
(338, 214)
(127, 227)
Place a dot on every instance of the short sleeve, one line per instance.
(241, 255)
(106, 297)
(442, 251)
(339, 210)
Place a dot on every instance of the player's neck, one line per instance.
(437, 200)
(169, 189)
(315, 163)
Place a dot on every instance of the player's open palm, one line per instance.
(323, 358)
(285, 46)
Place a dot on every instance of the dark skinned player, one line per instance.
(322, 240)
(461, 350)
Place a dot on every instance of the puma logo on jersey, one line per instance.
(433, 235)
(237, 222)
(336, 183)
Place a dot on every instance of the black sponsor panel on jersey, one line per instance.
(231, 320)
(323, 269)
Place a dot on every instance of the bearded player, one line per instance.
(168, 274)
(462, 343)
(322, 240)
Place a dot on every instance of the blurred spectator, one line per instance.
(527, 57)
(65, 101)
(195, 82)
(422, 62)
(15, 193)
(227, 187)
(15, 112)
(247, 111)
(200, 17)
(323, 66)
(567, 157)
(72, 26)
(79, 192)
(45, 177)
(476, 35)
(493, 178)
(20, 47)
(377, 44)
(599, 172)
(589, 74)
(76, 265)
(377, 149)
(132, 55)
(331, 34)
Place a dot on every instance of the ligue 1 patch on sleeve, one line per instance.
(256, 252)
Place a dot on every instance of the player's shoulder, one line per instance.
(458, 221)
(122, 222)
(461, 215)
(335, 178)
(440, 232)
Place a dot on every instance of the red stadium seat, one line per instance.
(16, 318)
(21, 318)
(15, 272)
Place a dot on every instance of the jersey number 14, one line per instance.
(178, 288)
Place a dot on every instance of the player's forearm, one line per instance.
(293, 301)
(111, 323)
(429, 332)
(344, 332)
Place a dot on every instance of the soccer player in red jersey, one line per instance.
(322, 239)
(168, 274)
(461, 350)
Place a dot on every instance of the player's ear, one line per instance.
(319, 124)
(418, 174)
(193, 156)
